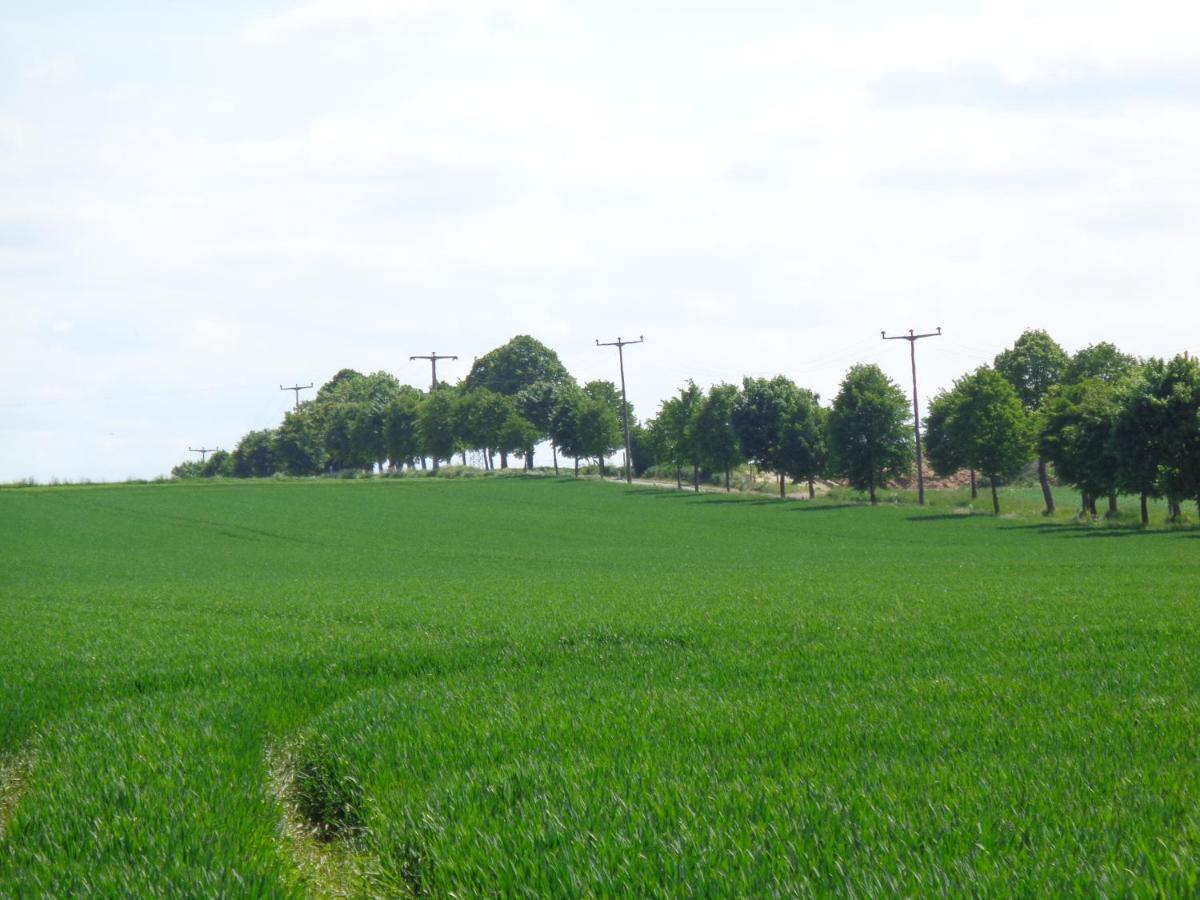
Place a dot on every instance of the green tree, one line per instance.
(298, 442)
(1076, 422)
(759, 412)
(436, 421)
(597, 428)
(254, 456)
(712, 429)
(803, 453)
(189, 468)
(523, 366)
(869, 439)
(218, 465)
(1138, 433)
(997, 431)
(1102, 361)
(401, 427)
(1179, 392)
(945, 447)
(1033, 365)
(673, 435)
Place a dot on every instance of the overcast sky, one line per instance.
(202, 201)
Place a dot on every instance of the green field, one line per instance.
(549, 687)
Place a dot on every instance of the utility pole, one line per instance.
(621, 345)
(433, 359)
(912, 346)
(204, 451)
(297, 388)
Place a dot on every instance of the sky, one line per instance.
(200, 202)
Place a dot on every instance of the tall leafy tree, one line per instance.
(1077, 436)
(803, 453)
(1179, 392)
(298, 442)
(673, 434)
(759, 413)
(519, 367)
(1033, 365)
(254, 456)
(436, 421)
(1139, 429)
(401, 426)
(713, 432)
(945, 446)
(596, 428)
(1102, 361)
(869, 439)
(997, 431)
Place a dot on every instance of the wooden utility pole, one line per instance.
(204, 451)
(912, 346)
(433, 360)
(297, 388)
(621, 345)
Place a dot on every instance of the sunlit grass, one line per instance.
(557, 687)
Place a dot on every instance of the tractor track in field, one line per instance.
(14, 778)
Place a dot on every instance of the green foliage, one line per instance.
(189, 468)
(1101, 361)
(516, 366)
(1033, 365)
(803, 453)
(945, 449)
(218, 464)
(401, 426)
(711, 430)
(436, 424)
(298, 442)
(1077, 434)
(869, 439)
(670, 429)
(991, 427)
(566, 689)
(255, 456)
(759, 414)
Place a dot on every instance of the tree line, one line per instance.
(1106, 422)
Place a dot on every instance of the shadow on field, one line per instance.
(942, 517)
(1094, 531)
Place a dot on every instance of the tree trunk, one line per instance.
(554, 453)
(727, 479)
(600, 459)
(812, 489)
(1092, 505)
(504, 459)
(995, 498)
(1044, 480)
(529, 459)
(434, 459)
(872, 491)
(974, 487)
(577, 467)
(1145, 510)
(464, 457)
(422, 463)
(782, 488)
(1112, 505)
(696, 478)
(678, 478)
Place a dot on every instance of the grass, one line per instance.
(550, 687)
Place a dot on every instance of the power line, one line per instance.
(621, 345)
(204, 451)
(433, 360)
(297, 388)
(912, 346)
